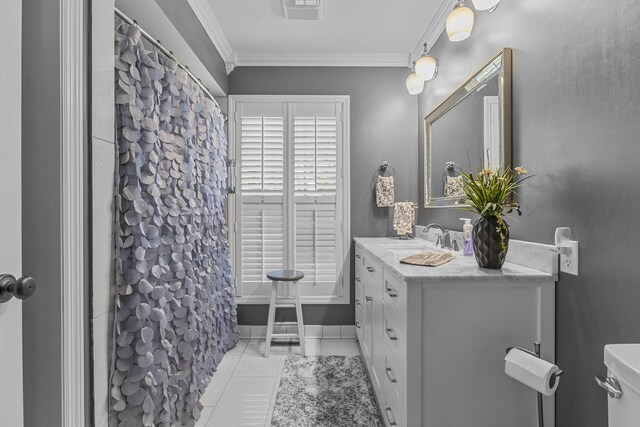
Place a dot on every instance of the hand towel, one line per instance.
(384, 191)
(430, 259)
(404, 217)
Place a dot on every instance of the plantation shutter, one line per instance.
(291, 198)
(261, 193)
(315, 166)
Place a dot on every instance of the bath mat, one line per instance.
(429, 259)
(325, 391)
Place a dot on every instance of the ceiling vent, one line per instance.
(302, 9)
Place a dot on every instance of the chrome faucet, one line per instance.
(444, 240)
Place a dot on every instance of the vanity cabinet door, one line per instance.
(377, 356)
(359, 297)
(359, 304)
(367, 326)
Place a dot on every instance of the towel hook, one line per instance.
(385, 165)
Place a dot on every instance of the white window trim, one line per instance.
(344, 266)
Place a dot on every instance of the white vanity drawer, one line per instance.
(394, 295)
(358, 263)
(393, 377)
(394, 334)
(392, 411)
(372, 275)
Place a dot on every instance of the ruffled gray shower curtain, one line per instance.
(175, 305)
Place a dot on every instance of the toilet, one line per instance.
(622, 384)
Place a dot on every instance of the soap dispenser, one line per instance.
(466, 236)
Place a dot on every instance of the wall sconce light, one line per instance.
(460, 22)
(415, 85)
(427, 66)
(488, 5)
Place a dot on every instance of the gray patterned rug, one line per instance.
(325, 391)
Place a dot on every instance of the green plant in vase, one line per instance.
(490, 194)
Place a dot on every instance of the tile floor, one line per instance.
(243, 390)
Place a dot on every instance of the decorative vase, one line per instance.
(488, 242)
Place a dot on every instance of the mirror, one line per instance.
(469, 130)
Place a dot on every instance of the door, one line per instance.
(10, 212)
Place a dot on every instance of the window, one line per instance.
(291, 208)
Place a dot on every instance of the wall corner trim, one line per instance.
(72, 140)
(211, 25)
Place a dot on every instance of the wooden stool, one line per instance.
(281, 276)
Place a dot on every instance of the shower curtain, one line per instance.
(175, 305)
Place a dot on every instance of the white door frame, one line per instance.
(73, 139)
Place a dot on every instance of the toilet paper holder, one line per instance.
(555, 375)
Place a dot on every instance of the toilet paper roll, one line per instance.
(531, 371)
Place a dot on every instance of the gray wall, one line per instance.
(576, 107)
(383, 127)
(190, 28)
(41, 217)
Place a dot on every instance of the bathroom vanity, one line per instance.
(434, 338)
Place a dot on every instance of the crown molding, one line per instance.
(434, 29)
(310, 59)
(211, 25)
(314, 59)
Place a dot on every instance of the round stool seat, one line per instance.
(285, 275)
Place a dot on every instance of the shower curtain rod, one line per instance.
(170, 54)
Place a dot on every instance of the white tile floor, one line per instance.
(243, 390)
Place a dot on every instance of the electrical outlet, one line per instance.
(568, 250)
(569, 258)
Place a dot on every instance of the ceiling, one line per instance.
(351, 32)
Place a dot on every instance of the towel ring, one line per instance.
(384, 166)
(451, 169)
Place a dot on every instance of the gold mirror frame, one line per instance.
(451, 101)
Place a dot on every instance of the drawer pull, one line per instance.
(357, 302)
(368, 298)
(390, 417)
(391, 334)
(357, 279)
(391, 292)
(390, 375)
(371, 269)
(358, 325)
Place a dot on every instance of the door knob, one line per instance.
(21, 288)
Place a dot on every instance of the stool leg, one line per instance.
(272, 317)
(296, 293)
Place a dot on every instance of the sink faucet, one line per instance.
(444, 240)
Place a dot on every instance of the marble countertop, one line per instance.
(389, 251)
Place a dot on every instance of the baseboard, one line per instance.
(310, 331)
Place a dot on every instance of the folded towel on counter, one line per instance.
(384, 191)
(404, 217)
(429, 259)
